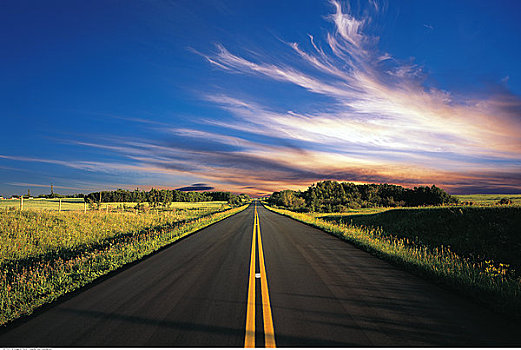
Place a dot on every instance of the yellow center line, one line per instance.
(249, 338)
(269, 332)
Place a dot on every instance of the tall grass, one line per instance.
(26, 234)
(77, 204)
(488, 282)
(477, 233)
(44, 255)
(489, 199)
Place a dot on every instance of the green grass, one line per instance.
(350, 212)
(490, 282)
(45, 254)
(44, 204)
(489, 199)
(477, 233)
(76, 204)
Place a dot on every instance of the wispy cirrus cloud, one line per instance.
(378, 120)
(380, 110)
(390, 99)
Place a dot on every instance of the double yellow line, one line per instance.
(269, 333)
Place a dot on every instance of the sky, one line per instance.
(259, 96)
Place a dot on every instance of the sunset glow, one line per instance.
(291, 98)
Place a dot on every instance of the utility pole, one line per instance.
(52, 191)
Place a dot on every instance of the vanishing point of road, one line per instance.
(261, 279)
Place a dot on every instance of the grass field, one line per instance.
(477, 233)
(77, 204)
(44, 204)
(465, 248)
(489, 199)
(45, 254)
(350, 212)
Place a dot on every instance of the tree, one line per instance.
(166, 198)
(154, 197)
(328, 196)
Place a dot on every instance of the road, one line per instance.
(304, 288)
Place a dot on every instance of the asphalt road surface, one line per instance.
(314, 289)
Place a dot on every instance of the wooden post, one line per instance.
(21, 202)
(60, 207)
(84, 207)
(107, 208)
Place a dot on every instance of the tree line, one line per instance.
(56, 195)
(164, 197)
(332, 196)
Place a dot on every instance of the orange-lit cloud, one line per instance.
(381, 123)
(381, 115)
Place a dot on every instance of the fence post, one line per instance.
(21, 202)
(84, 207)
(60, 207)
(107, 208)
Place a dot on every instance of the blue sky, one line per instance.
(256, 97)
